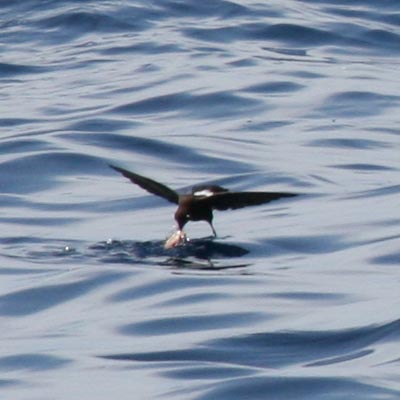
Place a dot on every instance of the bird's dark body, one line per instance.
(191, 209)
(200, 203)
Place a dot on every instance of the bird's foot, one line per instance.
(176, 239)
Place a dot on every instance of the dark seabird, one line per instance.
(200, 203)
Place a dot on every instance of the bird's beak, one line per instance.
(176, 239)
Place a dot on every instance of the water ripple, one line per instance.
(34, 300)
(273, 350)
(293, 387)
(167, 326)
(219, 104)
(32, 362)
(358, 104)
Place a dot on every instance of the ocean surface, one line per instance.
(296, 299)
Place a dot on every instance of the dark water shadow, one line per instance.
(197, 254)
(289, 387)
(32, 362)
(205, 253)
(36, 299)
(279, 349)
(189, 323)
(234, 363)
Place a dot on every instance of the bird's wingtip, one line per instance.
(114, 167)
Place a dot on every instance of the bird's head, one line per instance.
(181, 218)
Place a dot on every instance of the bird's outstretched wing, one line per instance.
(149, 185)
(234, 200)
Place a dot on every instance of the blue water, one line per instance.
(297, 299)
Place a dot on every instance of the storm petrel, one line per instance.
(200, 203)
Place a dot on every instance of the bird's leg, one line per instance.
(213, 230)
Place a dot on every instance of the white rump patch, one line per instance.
(204, 193)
